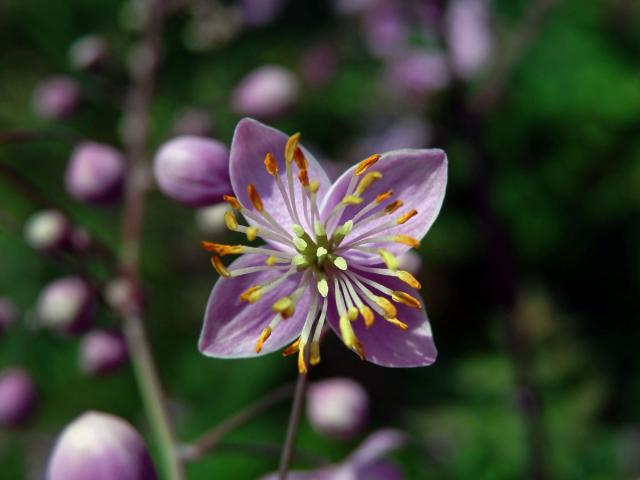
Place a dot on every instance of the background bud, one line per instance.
(95, 173)
(416, 74)
(89, 52)
(99, 445)
(193, 170)
(17, 397)
(47, 230)
(8, 314)
(319, 64)
(266, 93)
(410, 261)
(66, 305)
(210, 220)
(260, 12)
(337, 407)
(56, 97)
(102, 352)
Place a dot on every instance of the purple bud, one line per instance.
(260, 12)
(18, 397)
(193, 170)
(337, 407)
(8, 314)
(80, 239)
(319, 64)
(416, 74)
(100, 446)
(66, 305)
(121, 295)
(266, 93)
(385, 29)
(102, 352)
(56, 97)
(47, 230)
(193, 121)
(410, 261)
(90, 52)
(469, 36)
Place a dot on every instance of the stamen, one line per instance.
(407, 240)
(271, 260)
(368, 180)
(364, 165)
(393, 206)
(368, 316)
(290, 147)
(405, 218)
(300, 244)
(254, 196)
(266, 333)
(233, 201)
(315, 343)
(381, 197)
(271, 164)
(220, 249)
(252, 233)
(351, 200)
(389, 259)
(314, 354)
(302, 366)
(219, 266)
(406, 299)
(397, 323)
(409, 279)
(349, 336)
(322, 284)
(246, 295)
(291, 349)
(230, 220)
(303, 176)
(341, 263)
(300, 159)
(388, 307)
(306, 331)
(284, 306)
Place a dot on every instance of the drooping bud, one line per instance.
(266, 93)
(100, 445)
(18, 397)
(56, 97)
(95, 173)
(47, 230)
(66, 305)
(8, 314)
(193, 170)
(90, 52)
(193, 121)
(102, 352)
(337, 407)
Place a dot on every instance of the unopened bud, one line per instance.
(66, 305)
(18, 397)
(47, 230)
(102, 352)
(95, 173)
(266, 93)
(56, 97)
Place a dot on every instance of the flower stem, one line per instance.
(292, 428)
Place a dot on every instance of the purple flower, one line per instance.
(66, 305)
(102, 352)
(89, 52)
(47, 230)
(330, 255)
(17, 397)
(95, 173)
(469, 36)
(56, 97)
(8, 314)
(337, 407)
(365, 463)
(99, 446)
(193, 170)
(267, 92)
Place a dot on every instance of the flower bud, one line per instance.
(193, 170)
(90, 52)
(266, 93)
(95, 173)
(18, 397)
(100, 445)
(8, 314)
(56, 97)
(337, 407)
(193, 121)
(102, 352)
(122, 296)
(410, 261)
(210, 220)
(66, 305)
(385, 29)
(47, 230)
(416, 74)
(260, 12)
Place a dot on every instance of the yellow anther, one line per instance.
(322, 284)
(368, 316)
(244, 296)
(352, 312)
(233, 201)
(290, 147)
(271, 260)
(222, 250)
(359, 350)
(314, 186)
(255, 296)
(230, 220)
(346, 331)
(383, 196)
(264, 335)
(300, 244)
(407, 240)
(252, 233)
(368, 180)
(388, 307)
(219, 266)
(364, 165)
(341, 263)
(283, 306)
(291, 349)
(300, 159)
(302, 366)
(271, 164)
(409, 279)
(254, 196)
(405, 218)
(314, 354)
(351, 200)
(389, 259)
(303, 176)
(393, 206)
(405, 299)
(397, 323)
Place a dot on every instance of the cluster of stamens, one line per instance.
(315, 248)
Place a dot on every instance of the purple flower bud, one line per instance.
(100, 446)
(469, 36)
(385, 29)
(121, 295)
(89, 52)
(193, 170)
(80, 239)
(193, 121)
(47, 230)
(337, 407)
(102, 352)
(18, 397)
(66, 305)
(8, 314)
(266, 93)
(410, 261)
(95, 173)
(56, 97)
(319, 64)
(260, 12)
(416, 74)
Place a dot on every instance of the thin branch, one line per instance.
(270, 450)
(292, 428)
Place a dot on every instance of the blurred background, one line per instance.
(530, 274)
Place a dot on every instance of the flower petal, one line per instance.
(232, 327)
(417, 177)
(386, 344)
(252, 140)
